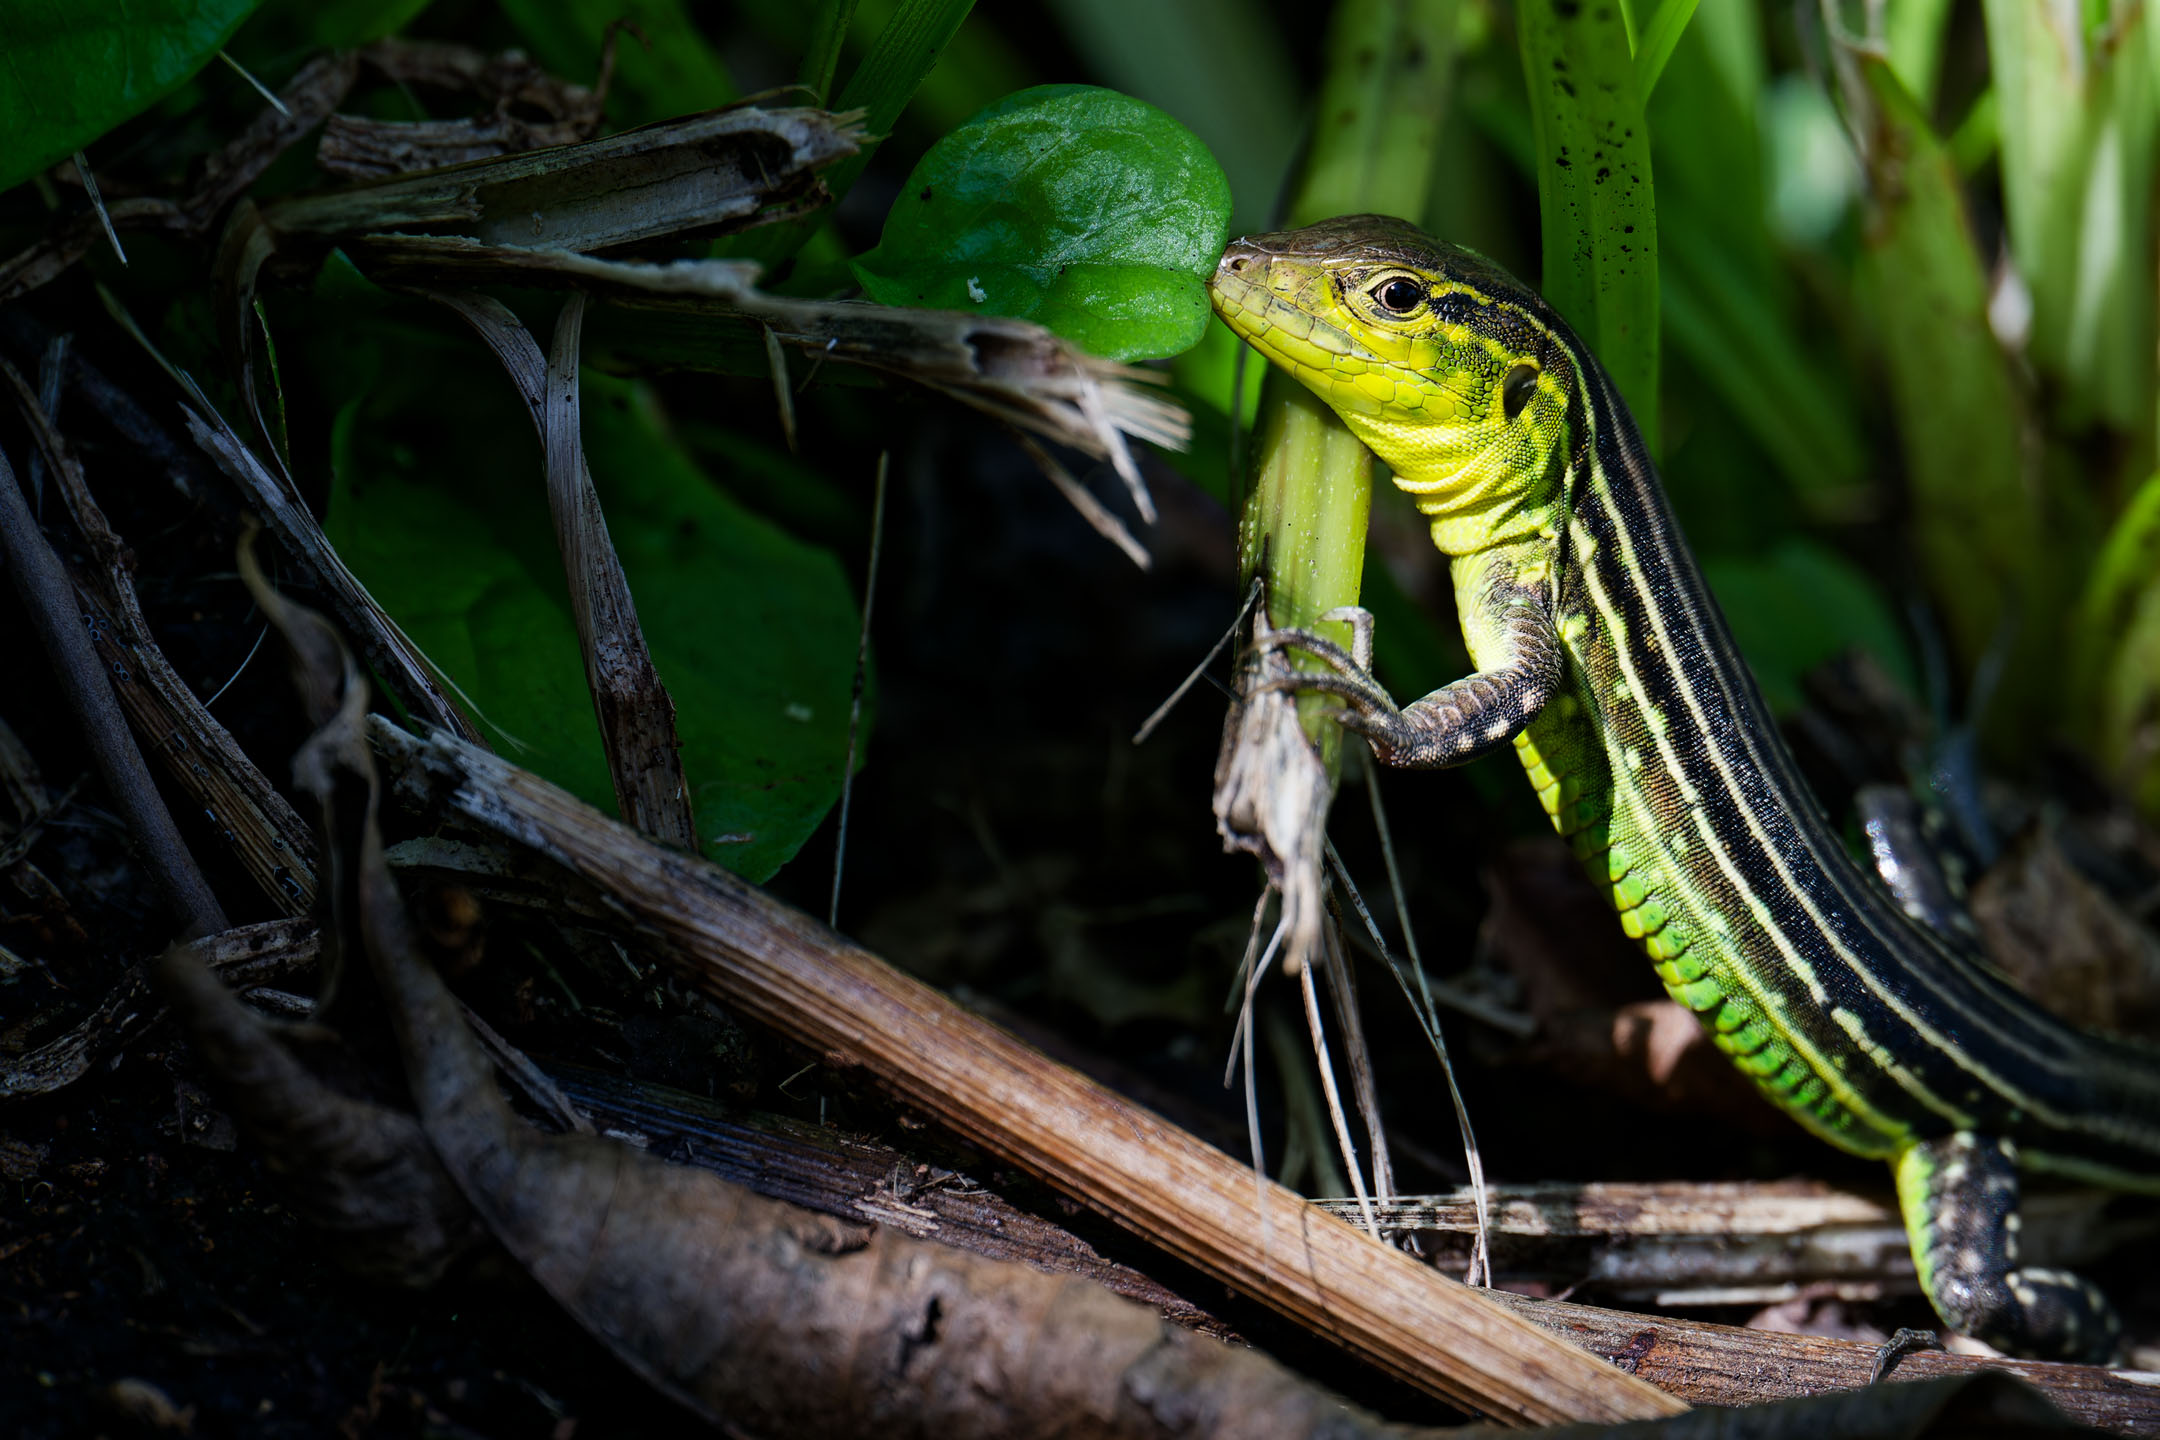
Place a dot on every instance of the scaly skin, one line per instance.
(1604, 661)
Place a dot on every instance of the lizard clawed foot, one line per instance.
(1371, 712)
(1907, 1341)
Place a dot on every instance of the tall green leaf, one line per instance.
(73, 69)
(1595, 205)
(2077, 119)
(1725, 291)
(2116, 648)
(1982, 532)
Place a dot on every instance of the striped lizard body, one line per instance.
(1603, 660)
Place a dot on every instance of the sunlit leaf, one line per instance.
(1079, 208)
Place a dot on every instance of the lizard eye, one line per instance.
(1399, 296)
(1516, 388)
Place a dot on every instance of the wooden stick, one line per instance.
(1723, 1365)
(784, 969)
(1707, 1364)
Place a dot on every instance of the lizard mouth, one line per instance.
(1267, 299)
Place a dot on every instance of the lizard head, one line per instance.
(1452, 371)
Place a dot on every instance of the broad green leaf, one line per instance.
(671, 71)
(753, 633)
(70, 70)
(1595, 206)
(1082, 209)
(1798, 606)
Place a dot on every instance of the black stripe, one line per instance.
(2054, 1064)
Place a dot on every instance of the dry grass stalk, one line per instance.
(262, 829)
(392, 656)
(356, 147)
(710, 314)
(636, 715)
(1679, 1243)
(786, 970)
(313, 94)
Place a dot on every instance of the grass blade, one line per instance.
(1597, 215)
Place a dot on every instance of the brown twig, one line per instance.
(251, 955)
(57, 619)
(784, 969)
(312, 95)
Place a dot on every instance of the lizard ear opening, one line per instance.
(1516, 389)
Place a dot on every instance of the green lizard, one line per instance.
(1603, 660)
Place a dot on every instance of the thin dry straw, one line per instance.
(1429, 1020)
(1147, 727)
(862, 662)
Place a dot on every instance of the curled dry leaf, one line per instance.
(695, 314)
(359, 1171)
(2063, 941)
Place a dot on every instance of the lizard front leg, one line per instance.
(1959, 1197)
(1521, 666)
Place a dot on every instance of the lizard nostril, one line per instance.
(1238, 263)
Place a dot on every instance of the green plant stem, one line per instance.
(1382, 104)
(821, 55)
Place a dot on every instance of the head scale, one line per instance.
(1452, 371)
